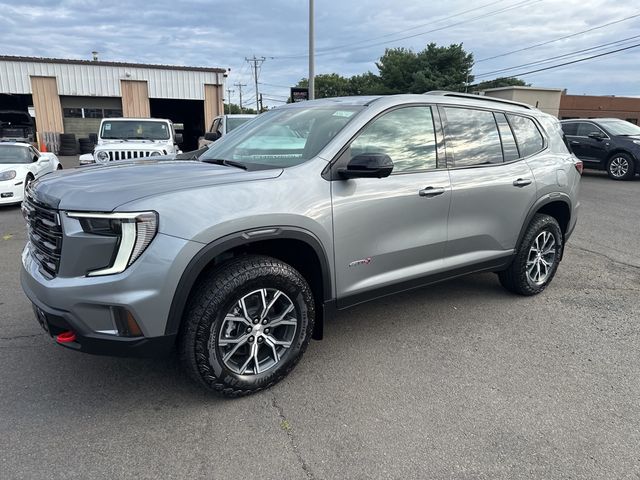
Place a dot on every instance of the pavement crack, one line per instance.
(600, 254)
(286, 426)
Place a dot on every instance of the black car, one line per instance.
(607, 144)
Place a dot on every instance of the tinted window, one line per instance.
(585, 128)
(527, 135)
(570, 128)
(473, 137)
(406, 135)
(509, 148)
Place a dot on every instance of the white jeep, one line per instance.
(129, 138)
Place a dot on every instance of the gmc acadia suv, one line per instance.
(236, 258)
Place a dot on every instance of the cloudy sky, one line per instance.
(350, 36)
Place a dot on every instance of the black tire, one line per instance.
(515, 278)
(215, 296)
(621, 166)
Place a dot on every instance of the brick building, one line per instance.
(594, 106)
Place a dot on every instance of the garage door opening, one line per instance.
(188, 112)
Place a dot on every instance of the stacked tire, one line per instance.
(86, 145)
(68, 144)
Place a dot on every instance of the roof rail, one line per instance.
(473, 96)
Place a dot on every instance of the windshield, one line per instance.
(14, 154)
(620, 127)
(233, 122)
(135, 130)
(283, 137)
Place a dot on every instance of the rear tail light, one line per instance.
(579, 165)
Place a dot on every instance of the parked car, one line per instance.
(17, 126)
(20, 164)
(608, 144)
(129, 138)
(221, 126)
(237, 258)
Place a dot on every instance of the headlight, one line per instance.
(155, 154)
(8, 175)
(102, 156)
(135, 230)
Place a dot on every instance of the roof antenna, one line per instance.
(95, 55)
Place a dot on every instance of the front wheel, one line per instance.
(537, 258)
(621, 167)
(247, 325)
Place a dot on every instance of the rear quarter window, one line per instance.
(528, 137)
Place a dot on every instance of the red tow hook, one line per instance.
(66, 337)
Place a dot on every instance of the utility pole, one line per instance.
(260, 111)
(229, 92)
(257, 62)
(312, 73)
(240, 85)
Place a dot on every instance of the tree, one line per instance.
(328, 85)
(366, 84)
(234, 109)
(500, 82)
(434, 68)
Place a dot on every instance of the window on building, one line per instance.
(93, 113)
(473, 136)
(528, 136)
(72, 112)
(112, 113)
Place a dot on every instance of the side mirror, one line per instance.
(179, 138)
(596, 135)
(368, 165)
(35, 158)
(211, 136)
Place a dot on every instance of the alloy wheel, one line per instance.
(257, 332)
(619, 167)
(541, 258)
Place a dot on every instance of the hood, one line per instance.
(132, 144)
(103, 187)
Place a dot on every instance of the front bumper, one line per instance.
(85, 305)
(11, 191)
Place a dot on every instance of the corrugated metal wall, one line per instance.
(47, 105)
(104, 81)
(135, 99)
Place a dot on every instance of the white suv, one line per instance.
(129, 138)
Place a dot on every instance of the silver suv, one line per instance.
(237, 257)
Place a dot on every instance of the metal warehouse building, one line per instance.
(72, 96)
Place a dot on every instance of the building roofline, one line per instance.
(15, 58)
(520, 87)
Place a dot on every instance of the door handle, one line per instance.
(431, 191)
(522, 182)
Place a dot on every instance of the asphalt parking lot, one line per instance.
(460, 380)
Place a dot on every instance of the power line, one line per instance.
(558, 39)
(574, 61)
(274, 85)
(330, 50)
(556, 57)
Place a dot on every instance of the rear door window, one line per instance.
(585, 128)
(472, 136)
(529, 138)
(570, 129)
(509, 147)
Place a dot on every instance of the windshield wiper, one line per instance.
(226, 163)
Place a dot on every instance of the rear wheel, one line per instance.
(247, 325)
(537, 258)
(621, 167)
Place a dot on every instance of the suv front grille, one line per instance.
(45, 235)
(128, 154)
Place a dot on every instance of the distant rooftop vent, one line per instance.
(95, 56)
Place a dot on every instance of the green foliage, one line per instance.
(233, 108)
(434, 68)
(500, 82)
(401, 70)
